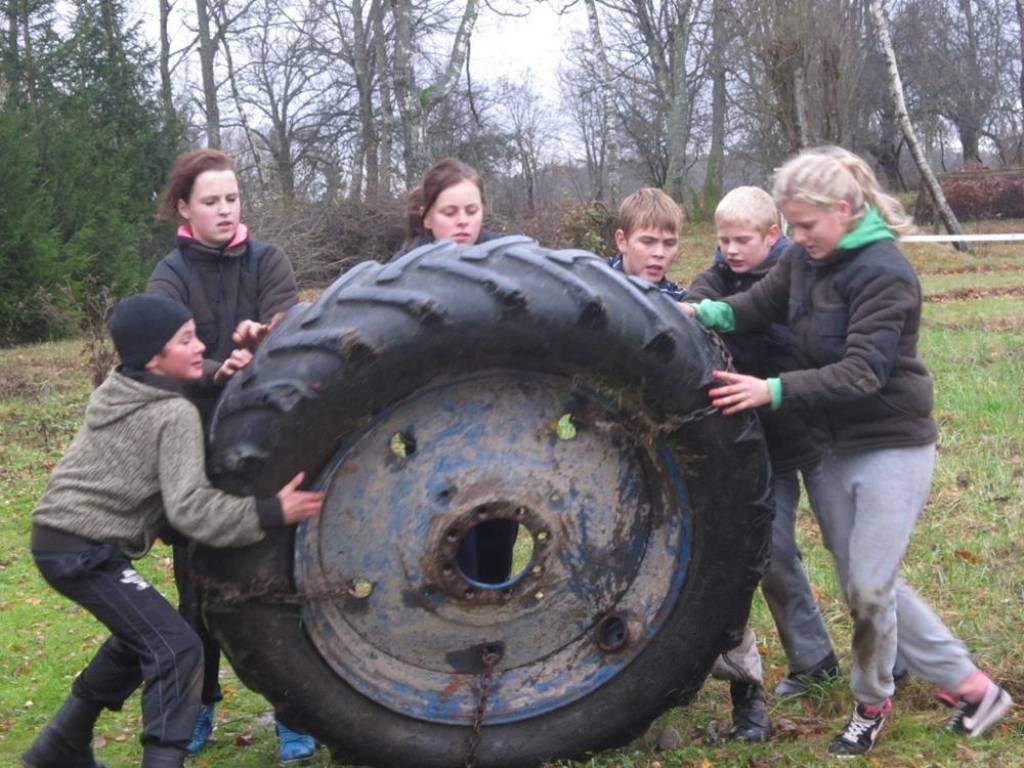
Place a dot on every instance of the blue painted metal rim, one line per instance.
(373, 666)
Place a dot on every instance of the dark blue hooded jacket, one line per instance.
(764, 354)
(666, 286)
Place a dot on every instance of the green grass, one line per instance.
(966, 558)
(932, 284)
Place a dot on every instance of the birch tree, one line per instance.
(416, 101)
(896, 92)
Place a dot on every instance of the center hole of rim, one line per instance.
(495, 552)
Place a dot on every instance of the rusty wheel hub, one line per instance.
(602, 532)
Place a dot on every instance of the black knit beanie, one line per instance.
(142, 324)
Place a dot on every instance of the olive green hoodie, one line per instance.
(137, 465)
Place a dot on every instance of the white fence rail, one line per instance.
(962, 238)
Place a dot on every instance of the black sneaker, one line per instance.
(861, 731)
(974, 719)
(801, 683)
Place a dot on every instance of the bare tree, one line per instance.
(716, 152)
(529, 130)
(415, 103)
(579, 92)
(1020, 32)
(387, 111)
(166, 92)
(896, 90)
(281, 82)
(608, 178)
(207, 55)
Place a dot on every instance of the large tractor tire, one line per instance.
(432, 397)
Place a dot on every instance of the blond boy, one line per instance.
(749, 244)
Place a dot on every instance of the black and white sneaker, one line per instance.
(861, 730)
(974, 719)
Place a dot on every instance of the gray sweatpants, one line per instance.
(868, 502)
(786, 590)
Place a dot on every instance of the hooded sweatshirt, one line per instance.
(764, 353)
(244, 280)
(137, 465)
(856, 315)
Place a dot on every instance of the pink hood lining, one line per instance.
(240, 236)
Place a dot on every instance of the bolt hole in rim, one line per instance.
(602, 534)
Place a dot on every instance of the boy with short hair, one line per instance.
(750, 242)
(650, 223)
(135, 468)
(647, 238)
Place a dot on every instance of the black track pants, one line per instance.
(150, 642)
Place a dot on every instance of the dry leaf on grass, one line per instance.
(967, 556)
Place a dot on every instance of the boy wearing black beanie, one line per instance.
(136, 467)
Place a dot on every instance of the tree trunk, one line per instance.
(10, 84)
(243, 119)
(968, 125)
(679, 103)
(405, 89)
(166, 94)
(896, 91)
(833, 129)
(207, 53)
(387, 114)
(608, 182)
(111, 31)
(415, 104)
(368, 139)
(1020, 31)
(968, 132)
(803, 119)
(716, 152)
(28, 67)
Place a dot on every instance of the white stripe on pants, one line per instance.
(868, 503)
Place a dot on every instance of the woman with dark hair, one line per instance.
(236, 288)
(448, 205)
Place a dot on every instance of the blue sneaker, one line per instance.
(293, 748)
(202, 729)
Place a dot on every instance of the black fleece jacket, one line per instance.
(855, 315)
(765, 353)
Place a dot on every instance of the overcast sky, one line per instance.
(509, 46)
(534, 45)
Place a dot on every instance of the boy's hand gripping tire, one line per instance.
(434, 396)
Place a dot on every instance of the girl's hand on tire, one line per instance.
(238, 359)
(249, 334)
(297, 505)
(739, 393)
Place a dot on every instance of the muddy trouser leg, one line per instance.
(190, 607)
(149, 642)
(785, 586)
(741, 664)
(867, 506)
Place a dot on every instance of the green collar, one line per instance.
(870, 229)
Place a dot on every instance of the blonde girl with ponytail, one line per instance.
(854, 304)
